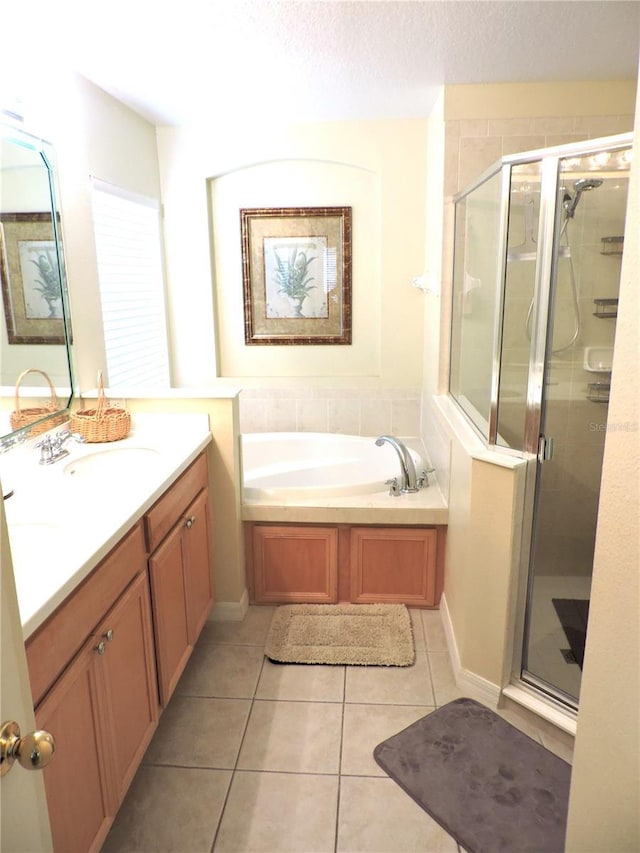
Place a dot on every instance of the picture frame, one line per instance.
(30, 279)
(296, 272)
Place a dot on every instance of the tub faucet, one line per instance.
(409, 481)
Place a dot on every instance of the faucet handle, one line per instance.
(394, 488)
(423, 479)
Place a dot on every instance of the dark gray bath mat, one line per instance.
(487, 784)
(573, 614)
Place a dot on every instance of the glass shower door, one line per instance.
(581, 328)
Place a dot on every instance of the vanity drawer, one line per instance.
(56, 642)
(165, 512)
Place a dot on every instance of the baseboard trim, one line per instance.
(469, 682)
(230, 611)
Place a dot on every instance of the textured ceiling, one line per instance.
(291, 60)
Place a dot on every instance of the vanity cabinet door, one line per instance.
(197, 553)
(79, 794)
(171, 624)
(128, 681)
(102, 713)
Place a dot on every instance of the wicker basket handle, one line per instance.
(54, 396)
(102, 400)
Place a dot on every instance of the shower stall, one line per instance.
(537, 254)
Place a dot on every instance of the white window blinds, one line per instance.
(128, 245)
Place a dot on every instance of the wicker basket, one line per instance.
(23, 417)
(104, 423)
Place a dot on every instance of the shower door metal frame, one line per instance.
(534, 443)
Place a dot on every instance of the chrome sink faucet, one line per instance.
(409, 480)
(52, 449)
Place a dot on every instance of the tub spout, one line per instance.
(408, 480)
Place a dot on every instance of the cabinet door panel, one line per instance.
(295, 564)
(198, 579)
(76, 782)
(169, 612)
(127, 670)
(393, 565)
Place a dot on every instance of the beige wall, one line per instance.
(377, 166)
(224, 483)
(93, 135)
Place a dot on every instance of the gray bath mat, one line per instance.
(354, 634)
(487, 784)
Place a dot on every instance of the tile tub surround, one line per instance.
(280, 758)
(352, 411)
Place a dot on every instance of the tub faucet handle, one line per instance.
(394, 488)
(423, 479)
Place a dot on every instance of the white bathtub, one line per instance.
(307, 465)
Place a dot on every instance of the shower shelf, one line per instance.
(612, 245)
(599, 392)
(605, 308)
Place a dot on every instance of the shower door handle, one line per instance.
(545, 448)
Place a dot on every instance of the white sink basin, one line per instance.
(111, 463)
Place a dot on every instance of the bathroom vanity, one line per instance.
(110, 621)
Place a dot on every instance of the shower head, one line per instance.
(580, 186)
(583, 184)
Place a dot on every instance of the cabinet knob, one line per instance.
(33, 751)
(190, 521)
(108, 635)
(100, 648)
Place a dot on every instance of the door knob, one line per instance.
(33, 751)
(190, 521)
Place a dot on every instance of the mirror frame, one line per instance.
(19, 136)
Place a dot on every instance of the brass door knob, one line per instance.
(33, 751)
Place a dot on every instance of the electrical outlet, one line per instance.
(116, 403)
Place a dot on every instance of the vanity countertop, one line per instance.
(65, 517)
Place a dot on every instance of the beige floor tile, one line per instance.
(195, 732)
(310, 683)
(252, 631)
(444, 682)
(294, 737)
(418, 631)
(279, 812)
(391, 685)
(377, 816)
(434, 631)
(169, 810)
(221, 671)
(365, 726)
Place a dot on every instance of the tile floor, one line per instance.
(254, 756)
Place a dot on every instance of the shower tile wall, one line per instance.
(344, 410)
(472, 145)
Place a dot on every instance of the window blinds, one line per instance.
(129, 253)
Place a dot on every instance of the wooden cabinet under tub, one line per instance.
(325, 564)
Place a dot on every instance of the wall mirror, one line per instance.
(35, 329)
